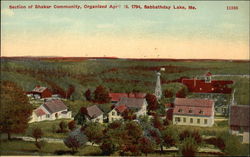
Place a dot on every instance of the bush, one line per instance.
(216, 141)
(63, 127)
(188, 148)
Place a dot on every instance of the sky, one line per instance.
(209, 32)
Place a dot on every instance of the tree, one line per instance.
(152, 102)
(15, 109)
(70, 91)
(157, 122)
(75, 140)
(107, 147)
(145, 145)
(87, 95)
(169, 136)
(181, 93)
(63, 127)
(72, 125)
(128, 115)
(168, 94)
(101, 95)
(37, 133)
(80, 116)
(193, 134)
(94, 132)
(188, 148)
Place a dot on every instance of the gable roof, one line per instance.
(194, 107)
(54, 106)
(39, 112)
(94, 111)
(131, 102)
(120, 108)
(39, 89)
(239, 115)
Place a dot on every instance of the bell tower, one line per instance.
(158, 92)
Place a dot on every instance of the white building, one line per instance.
(138, 105)
(50, 110)
(195, 112)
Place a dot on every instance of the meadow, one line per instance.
(117, 75)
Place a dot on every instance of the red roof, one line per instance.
(121, 108)
(39, 112)
(117, 96)
(215, 86)
(194, 107)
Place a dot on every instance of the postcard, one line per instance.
(124, 78)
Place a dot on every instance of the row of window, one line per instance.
(191, 120)
(191, 111)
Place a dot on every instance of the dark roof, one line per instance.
(94, 111)
(131, 102)
(54, 106)
(195, 107)
(215, 86)
(239, 115)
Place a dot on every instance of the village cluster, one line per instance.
(184, 111)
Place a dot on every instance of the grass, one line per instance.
(129, 74)
(19, 147)
(217, 128)
(48, 128)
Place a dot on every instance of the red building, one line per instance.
(207, 85)
(41, 92)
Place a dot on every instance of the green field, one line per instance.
(118, 75)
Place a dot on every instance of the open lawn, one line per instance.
(19, 147)
(48, 127)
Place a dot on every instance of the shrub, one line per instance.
(188, 148)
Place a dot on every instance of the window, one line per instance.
(198, 121)
(205, 121)
(184, 120)
(190, 111)
(47, 116)
(177, 119)
(180, 110)
(201, 112)
(191, 120)
(113, 113)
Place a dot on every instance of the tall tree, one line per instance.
(101, 95)
(145, 145)
(152, 102)
(15, 109)
(87, 95)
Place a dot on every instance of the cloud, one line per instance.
(8, 12)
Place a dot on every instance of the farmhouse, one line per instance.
(139, 105)
(41, 92)
(94, 114)
(50, 110)
(195, 112)
(239, 121)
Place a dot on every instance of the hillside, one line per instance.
(119, 75)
